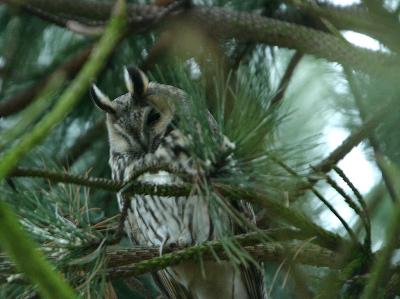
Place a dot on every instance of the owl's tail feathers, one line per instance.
(212, 280)
(170, 288)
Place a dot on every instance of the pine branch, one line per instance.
(321, 198)
(279, 210)
(140, 253)
(353, 188)
(309, 255)
(105, 184)
(364, 215)
(244, 27)
(14, 240)
(358, 210)
(254, 242)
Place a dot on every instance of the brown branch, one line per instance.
(23, 99)
(245, 27)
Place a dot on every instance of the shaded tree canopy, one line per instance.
(311, 116)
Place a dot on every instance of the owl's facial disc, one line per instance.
(138, 121)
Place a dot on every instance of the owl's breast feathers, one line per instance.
(160, 220)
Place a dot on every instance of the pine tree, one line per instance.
(279, 77)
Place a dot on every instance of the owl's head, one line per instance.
(138, 120)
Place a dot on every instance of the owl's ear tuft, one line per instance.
(136, 81)
(101, 100)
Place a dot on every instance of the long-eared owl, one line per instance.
(143, 129)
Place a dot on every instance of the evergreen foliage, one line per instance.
(280, 82)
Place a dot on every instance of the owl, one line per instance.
(143, 129)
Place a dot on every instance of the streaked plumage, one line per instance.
(141, 130)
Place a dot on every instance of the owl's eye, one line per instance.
(153, 117)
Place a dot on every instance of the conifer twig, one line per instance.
(280, 211)
(350, 202)
(353, 188)
(363, 213)
(321, 198)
